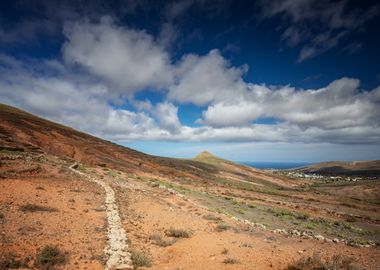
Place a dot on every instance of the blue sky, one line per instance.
(258, 80)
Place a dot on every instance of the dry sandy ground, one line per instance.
(78, 227)
(76, 224)
(155, 211)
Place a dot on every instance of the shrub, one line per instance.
(50, 256)
(157, 240)
(140, 259)
(315, 263)
(178, 233)
(212, 217)
(10, 261)
(37, 208)
(222, 227)
(230, 261)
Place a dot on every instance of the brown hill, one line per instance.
(27, 132)
(363, 168)
(69, 200)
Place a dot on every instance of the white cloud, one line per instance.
(339, 105)
(231, 114)
(81, 104)
(202, 79)
(119, 61)
(167, 115)
(129, 60)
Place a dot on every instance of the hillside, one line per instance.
(69, 200)
(358, 168)
(21, 130)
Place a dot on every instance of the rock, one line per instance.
(319, 237)
(296, 233)
(336, 240)
(300, 252)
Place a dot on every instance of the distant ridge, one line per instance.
(370, 167)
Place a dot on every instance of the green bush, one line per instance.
(50, 256)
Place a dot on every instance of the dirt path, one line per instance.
(117, 249)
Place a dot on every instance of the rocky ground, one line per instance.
(165, 228)
(69, 200)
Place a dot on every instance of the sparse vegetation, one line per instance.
(159, 241)
(140, 259)
(1, 216)
(112, 173)
(230, 261)
(315, 263)
(178, 233)
(222, 227)
(37, 208)
(224, 251)
(288, 214)
(81, 168)
(10, 261)
(49, 257)
(212, 217)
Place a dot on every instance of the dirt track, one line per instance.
(117, 249)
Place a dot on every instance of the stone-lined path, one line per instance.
(117, 249)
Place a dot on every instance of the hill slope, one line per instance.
(99, 205)
(364, 168)
(19, 129)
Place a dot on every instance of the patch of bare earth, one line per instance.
(216, 242)
(50, 208)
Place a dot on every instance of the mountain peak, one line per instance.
(205, 154)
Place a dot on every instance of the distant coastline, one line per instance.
(274, 165)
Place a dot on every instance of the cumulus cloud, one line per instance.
(167, 115)
(202, 79)
(128, 60)
(231, 113)
(76, 101)
(339, 105)
(105, 64)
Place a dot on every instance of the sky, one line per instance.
(271, 81)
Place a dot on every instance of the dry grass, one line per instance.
(212, 217)
(222, 227)
(316, 263)
(178, 233)
(10, 261)
(157, 240)
(37, 208)
(230, 261)
(140, 259)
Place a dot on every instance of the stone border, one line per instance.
(117, 249)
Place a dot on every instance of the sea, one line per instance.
(274, 165)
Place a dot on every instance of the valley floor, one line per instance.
(168, 226)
